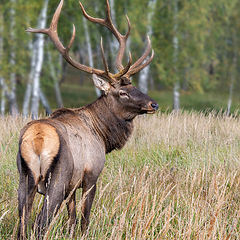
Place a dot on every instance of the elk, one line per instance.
(66, 151)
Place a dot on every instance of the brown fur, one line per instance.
(115, 133)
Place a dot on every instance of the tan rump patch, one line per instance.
(40, 144)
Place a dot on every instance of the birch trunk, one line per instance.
(56, 76)
(58, 94)
(229, 105)
(64, 65)
(176, 88)
(28, 92)
(144, 74)
(44, 102)
(234, 64)
(176, 96)
(129, 40)
(114, 45)
(3, 100)
(12, 95)
(39, 62)
(143, 80)
(89, 49)
(57, 82)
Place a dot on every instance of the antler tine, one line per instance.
(126, 69)
(52, 30)
(145, 54)
(121, 38)
(103, 57)
(90, 18)
(53, 34)
(122, 72)
(107, 22)
(122, 47)
(72, 39)
(140, 67)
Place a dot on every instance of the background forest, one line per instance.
(196, 44)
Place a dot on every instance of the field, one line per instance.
(178, 177)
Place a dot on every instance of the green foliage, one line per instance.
(207, 32)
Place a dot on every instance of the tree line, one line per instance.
(195, 43)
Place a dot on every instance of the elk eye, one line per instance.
(123, 94)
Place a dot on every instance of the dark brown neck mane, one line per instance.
(111, 128)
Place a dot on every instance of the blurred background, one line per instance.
(196, 44)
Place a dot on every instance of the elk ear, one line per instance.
(101, 84)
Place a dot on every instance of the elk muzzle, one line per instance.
(152, 107)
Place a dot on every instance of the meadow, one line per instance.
(178, 177)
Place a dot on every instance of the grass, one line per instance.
(178, 177)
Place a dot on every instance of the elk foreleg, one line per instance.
(89, 190)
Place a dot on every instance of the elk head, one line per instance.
(117, 87)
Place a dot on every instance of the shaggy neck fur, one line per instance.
(114, 130)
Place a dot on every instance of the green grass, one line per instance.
(178, 177)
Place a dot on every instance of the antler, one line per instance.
(142, 62)
(107, 22)
(122, 39)
(128, 71)
(53, 34)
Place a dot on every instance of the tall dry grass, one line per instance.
(177, 178)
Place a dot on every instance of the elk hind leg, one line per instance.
(52, 202)
(57, 189)
(26, 193)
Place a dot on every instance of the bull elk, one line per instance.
(67, 151)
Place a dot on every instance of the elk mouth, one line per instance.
(151, 111)
(152, 108)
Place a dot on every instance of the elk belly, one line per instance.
(40, 145)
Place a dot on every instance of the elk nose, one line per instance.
(154, 106)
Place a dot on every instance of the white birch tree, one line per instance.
(55, 75)
(144, 74)
(114, 43)
(176, 88)
(39, 61)
(232, 77)
(89, 49)
(45, 102)
(12, 94)
(28, 91)
(3, 101)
